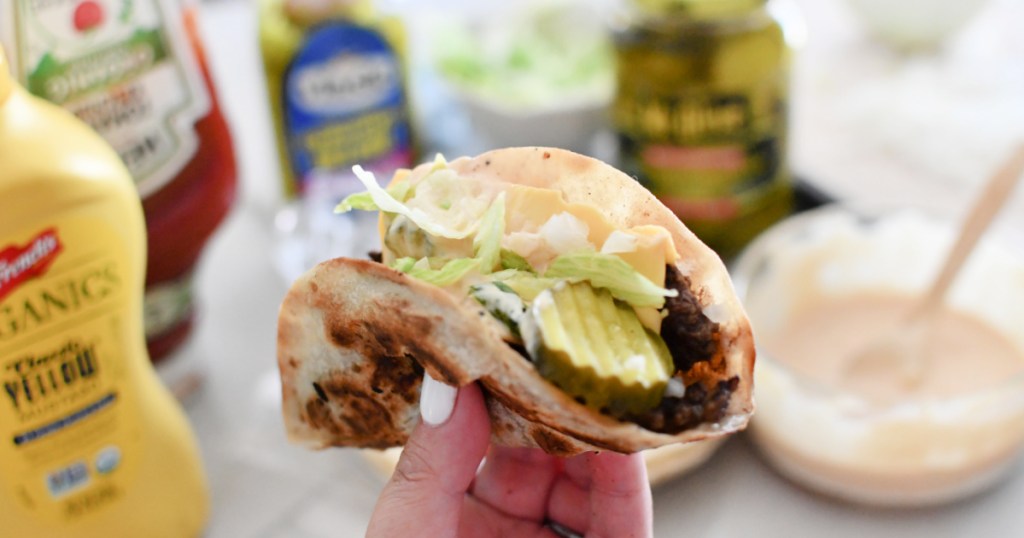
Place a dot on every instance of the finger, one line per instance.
(620, 495)
(581, 492)
(425, 494)
(481, 519)
(517, 481)
(577, 469)
(437, 401)
(569, 504)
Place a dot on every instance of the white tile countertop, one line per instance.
(262, 487)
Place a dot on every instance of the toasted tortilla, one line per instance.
(355, 336)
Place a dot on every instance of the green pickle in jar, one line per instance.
(700, 111)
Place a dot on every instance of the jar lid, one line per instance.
(700, 8)
(312, 11)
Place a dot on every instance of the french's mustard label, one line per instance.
(21, 263)
(37, 379)
(66, 419)
(59, 298)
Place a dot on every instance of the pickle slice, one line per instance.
(594, 348)
(501, 302)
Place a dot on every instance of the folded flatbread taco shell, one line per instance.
(355, 336)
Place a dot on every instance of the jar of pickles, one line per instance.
(700, 110)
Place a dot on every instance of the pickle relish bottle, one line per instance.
(336, 80)
(700, 110)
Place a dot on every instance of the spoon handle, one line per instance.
(986, 207)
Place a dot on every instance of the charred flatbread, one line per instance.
(355, 336)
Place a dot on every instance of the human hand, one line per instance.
(436, 490)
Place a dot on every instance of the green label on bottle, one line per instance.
(60, 82)
(125, 67)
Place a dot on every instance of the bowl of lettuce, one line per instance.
(541, 74)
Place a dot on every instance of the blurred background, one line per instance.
(898, 103)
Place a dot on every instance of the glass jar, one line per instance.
(701, 110)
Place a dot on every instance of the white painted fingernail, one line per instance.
(436, 401)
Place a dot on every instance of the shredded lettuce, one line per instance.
(601, 269)
(503, 274)
(526, 285)
(400, 189)
(486, 247)
(512, 260)
(612, 273)
(403, 264)
(487, 243)
(363, 201)
(450, 273)
(439, 163)
(387, 202)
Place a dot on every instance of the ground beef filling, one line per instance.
(689, 334)
(692, 339)
(697, 406)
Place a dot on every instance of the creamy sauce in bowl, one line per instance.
(825, 285)
(962, 353)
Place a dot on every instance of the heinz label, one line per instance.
(125, 67)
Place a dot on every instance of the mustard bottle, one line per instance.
(91, 444)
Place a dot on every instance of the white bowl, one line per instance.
(572, 125)
(915, 23)
(921, 450)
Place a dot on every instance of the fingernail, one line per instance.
(436, 401)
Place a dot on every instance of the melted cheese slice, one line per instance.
(529, 208)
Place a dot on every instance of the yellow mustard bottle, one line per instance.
(91, 444)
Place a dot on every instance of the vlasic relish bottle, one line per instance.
(701, 113)
(336, 80)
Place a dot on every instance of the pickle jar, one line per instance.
(701, 112)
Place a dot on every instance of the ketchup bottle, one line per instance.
(135, 71)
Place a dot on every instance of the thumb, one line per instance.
(425, 494)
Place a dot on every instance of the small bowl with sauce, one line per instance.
(819, 288)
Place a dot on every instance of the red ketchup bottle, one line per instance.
(136, 72)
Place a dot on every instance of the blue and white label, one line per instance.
(346, 84)
(108, 459)
(344, 104)
(67, 479)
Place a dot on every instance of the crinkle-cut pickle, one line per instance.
(594, 348)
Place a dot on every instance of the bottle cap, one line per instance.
(311, 11)
(700, 8)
